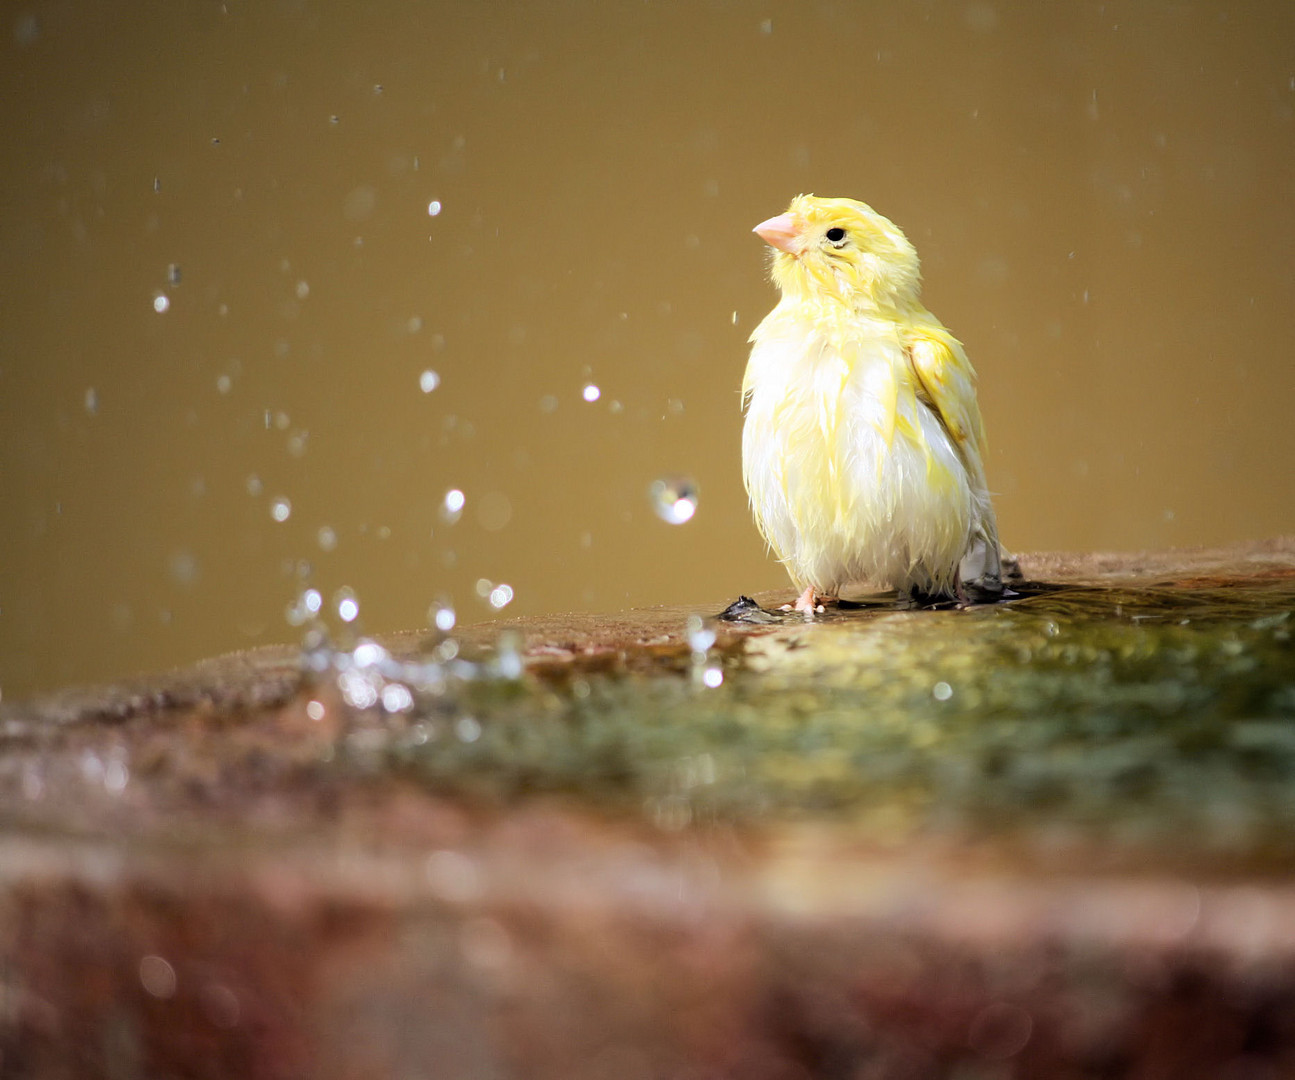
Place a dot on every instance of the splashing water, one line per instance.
(674, 498)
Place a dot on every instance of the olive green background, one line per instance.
(1103, 195)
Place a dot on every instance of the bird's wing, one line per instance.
(947, 385)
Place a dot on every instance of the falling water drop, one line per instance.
(348, 607)
(442, 616)
(674, 498)
(452, 506)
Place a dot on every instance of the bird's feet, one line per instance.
(809, 602)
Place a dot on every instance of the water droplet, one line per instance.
(303, 290)
(434, 208)
(254, 485)
(315, 710)
(157, 977)
(452, 506)
(368, 654)
(700, 636)
(91, 400)
(348, 607)
(327, 538)
(442, 617)
(501, 596)
(591, 393)
(674, 498)
(224, 383)
(942, 691)
(26, 30)
(281, 508)
(357, 690)
(183, 567)
(305, 607)
(428, 381)
(161, 302)
(173, 273)
(766, 26)
(508, 655)
(494, 511)
(116, 776)
(396, 698)
(713, 677)
(467, 728)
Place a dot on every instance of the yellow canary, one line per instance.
(863, 444)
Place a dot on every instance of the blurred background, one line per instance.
(278, 277)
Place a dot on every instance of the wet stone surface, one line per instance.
(1049, 837)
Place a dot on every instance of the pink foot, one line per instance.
(808, 602)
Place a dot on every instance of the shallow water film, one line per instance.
(1096, 716)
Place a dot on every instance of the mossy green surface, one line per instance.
(1132, 719)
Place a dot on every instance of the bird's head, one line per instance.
(840, 250)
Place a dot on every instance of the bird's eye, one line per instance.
(836, 236)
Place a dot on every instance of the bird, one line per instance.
(863, 445)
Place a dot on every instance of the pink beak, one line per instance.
(781, 232)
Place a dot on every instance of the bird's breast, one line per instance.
(845, 466)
